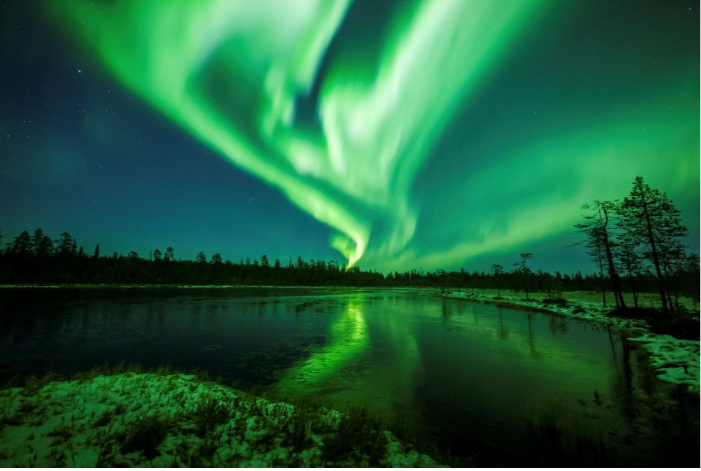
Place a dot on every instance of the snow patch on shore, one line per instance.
(676, 360)
(575, 308)
(150, 420)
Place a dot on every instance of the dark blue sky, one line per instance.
(80, 153)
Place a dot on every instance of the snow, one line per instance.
(152, 420)
(578, 306)
(677, 361)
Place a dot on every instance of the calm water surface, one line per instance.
(475, 377)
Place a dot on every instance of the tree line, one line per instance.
(637, 237)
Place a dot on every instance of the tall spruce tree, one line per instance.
(22, 243)
(36, 240)
(651, 221)
(64, 243)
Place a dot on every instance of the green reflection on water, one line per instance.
(501, 359)
(347, 340)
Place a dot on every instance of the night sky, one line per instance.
(395, 134)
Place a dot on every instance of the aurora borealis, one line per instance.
(432, 133)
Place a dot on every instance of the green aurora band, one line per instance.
(378, 120)
(230, 72)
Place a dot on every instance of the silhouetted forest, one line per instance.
(38, 259)
(632, 253)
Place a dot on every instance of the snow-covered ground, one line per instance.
(676, 361)
(151, 420)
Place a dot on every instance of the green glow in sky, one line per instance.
(208, 64)
(231, 73)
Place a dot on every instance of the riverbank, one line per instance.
(177, 420)
(675, 360)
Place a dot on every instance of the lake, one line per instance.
(506, 386)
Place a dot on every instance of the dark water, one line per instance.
(507, 386)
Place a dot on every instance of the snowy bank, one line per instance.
(677, 361)
(151, 420)
(578, 308)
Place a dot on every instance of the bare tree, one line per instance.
(597, 228)
(497, 270)
(524, 272)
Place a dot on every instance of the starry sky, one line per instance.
(391, 134)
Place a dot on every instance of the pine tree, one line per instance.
(651, 221)
(22, 244)
(41, 244)
(497, 270)
(596, 229)
(216, 259)
(201, 258)
(36, 240)
(523, 272)
(46, 248)
(64, 244)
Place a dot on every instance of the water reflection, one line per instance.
(473, 374)
(481, 372)
(327, 368)
(373, 361)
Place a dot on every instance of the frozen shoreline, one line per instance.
(676, 361)
(152, 420)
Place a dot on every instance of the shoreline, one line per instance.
(675, 360)
(166, 420)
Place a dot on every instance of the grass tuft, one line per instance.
(359, 434)
(145, 437)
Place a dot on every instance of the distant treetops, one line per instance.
(635, 244)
